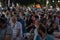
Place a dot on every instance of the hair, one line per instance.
(2, 20)
(36, 17)
(2, 16)
(43, 20)
(42, 28)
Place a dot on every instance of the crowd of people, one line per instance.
(28, 23)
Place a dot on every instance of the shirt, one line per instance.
(15, 27)
(48, 37)
(35, 33)
(23, 25)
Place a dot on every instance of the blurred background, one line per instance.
(30, 2)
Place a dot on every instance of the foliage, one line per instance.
(28, 2)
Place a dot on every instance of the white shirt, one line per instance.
(15, 27)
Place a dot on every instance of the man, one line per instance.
(21, 20)
(5, 30)
(37, 23)
(57, 20)
(16, 28)
(42, 35)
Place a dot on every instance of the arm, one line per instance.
(7, 37)
(18, 33)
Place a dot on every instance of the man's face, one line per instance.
(14, 19)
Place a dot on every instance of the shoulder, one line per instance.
(38, 37)
(50, 37)
(18, 23)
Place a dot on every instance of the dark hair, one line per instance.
(43, 20)
(36, 17)
(2, 20)
(2, 16)
(42, 28)
(52, 22)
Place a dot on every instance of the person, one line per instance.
(5, 30)
(57, 17)
(53, 27)
(37, 23)
(21, 20)
(42, 35)
(16, 28)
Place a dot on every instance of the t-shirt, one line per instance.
(15, 27)
(48, 37)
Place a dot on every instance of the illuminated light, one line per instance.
(38, 6)
(58, 0)
(17, 4)
(13, 5)
(53, 1)
(47, 2)
(51, 7)
(0, 4)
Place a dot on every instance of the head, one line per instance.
(2, 23)
(14, 19)
(13, 13)
(32, 13)
(37, 22)
(20, 14)
(18, 18)
(42, 31)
